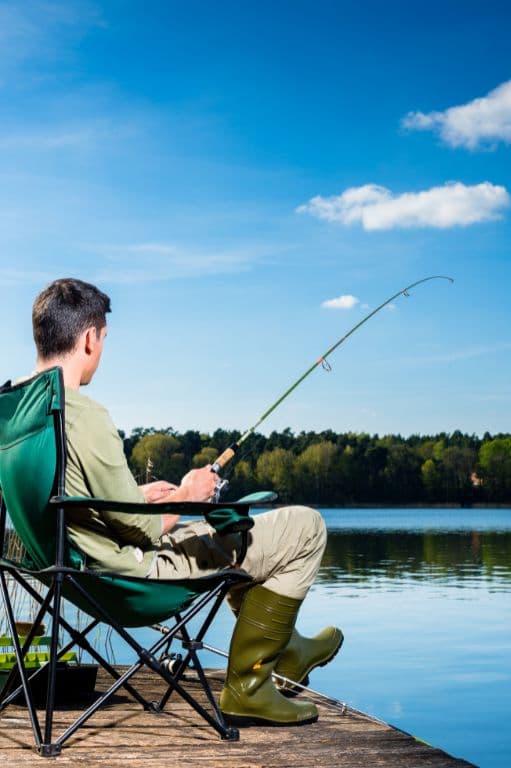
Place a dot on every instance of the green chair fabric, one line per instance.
(28, 462)
(32, 483)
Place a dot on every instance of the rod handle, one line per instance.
(224, 458)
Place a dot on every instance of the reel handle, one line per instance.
(220, 487)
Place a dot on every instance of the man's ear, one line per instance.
(90, 340)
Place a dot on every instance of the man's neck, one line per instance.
(72, 372)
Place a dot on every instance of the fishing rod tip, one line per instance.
(446, 277)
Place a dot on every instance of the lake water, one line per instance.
(423, 598)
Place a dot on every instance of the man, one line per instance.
(285, 545)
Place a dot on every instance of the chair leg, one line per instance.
(79, 638)
(48, 749)
(192, 659)
(186, 641)
(192, 646)
(148, 658)
(21, 667)
(8, 695)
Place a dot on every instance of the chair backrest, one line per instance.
(31, 460)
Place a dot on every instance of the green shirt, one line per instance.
(97, 466)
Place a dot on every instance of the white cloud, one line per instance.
(145, 262)
(153, 261)
(470, 352)
(482, 122)
(376, 207)
(35, 31)
(52, 139)
(161, 249)
(13, 277)
(347, 301)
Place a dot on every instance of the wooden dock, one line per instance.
(122, 734)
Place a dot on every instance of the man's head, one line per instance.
(69, 318)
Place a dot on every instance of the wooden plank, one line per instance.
(122, 733)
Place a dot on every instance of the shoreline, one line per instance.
(417, 505)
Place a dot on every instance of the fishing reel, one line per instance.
(220, 487)
(221, 484)
(171, 662)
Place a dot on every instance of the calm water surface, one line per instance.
(423, 597)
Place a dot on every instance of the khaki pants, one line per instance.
(284, 552)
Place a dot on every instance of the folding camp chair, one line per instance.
(32, 482)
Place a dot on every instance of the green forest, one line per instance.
(337, 469)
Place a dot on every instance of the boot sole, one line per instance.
(245, 721)
(291, 691)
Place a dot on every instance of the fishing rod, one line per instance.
(230, 452)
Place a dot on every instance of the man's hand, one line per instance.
(158, 492)
(198, 484)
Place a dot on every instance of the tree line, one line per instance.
(337, 468)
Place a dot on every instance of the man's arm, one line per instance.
(157, 492)
(197, 485)
(96, 457)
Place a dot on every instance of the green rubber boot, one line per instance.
(263, 630)
(303, 654)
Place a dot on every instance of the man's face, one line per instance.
(94, 351)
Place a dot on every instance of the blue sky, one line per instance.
(223, 170)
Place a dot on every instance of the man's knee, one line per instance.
(310, 522)
(318, 525)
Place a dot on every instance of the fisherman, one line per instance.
(285, 545)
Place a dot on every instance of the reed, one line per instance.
(25, 607)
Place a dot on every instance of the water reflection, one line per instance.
(363, 556)
(423, 597)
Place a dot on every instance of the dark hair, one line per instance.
(65, 309)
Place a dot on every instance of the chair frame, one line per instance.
(50, 604)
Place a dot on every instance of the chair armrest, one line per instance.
(259, 497)
(231, 518)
